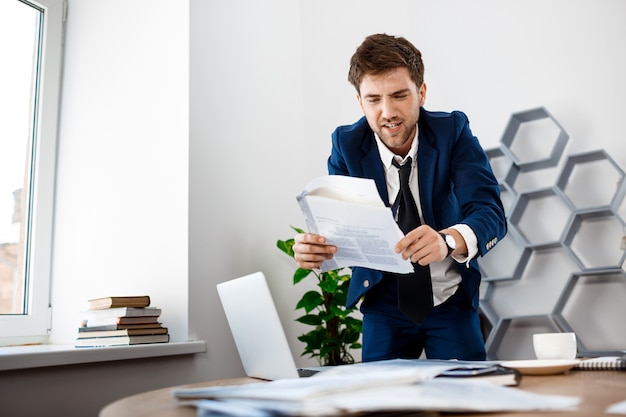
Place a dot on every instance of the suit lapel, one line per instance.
(426, 165)
(373, 168)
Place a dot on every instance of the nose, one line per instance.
(388, 109)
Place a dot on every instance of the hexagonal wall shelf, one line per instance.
(524, 141)
(512, 248)
(562, 265)
(537, 289)
(583, 178)
(604, 230)
(500, 162)
(540, 217)
(604, 290)
(507, 196)
(503, 341)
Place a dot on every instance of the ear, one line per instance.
(360, 100)
(422, 93)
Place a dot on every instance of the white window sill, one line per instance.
(22, 357)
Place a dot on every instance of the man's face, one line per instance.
(391, 103)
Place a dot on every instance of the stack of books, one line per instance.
(121, 321)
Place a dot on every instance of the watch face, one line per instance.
(450, 241)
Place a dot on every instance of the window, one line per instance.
(31, 38)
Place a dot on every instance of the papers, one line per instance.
(397, 385)
(349, 212)
(617, 408)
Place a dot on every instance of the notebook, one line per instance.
(603, 363)
(256, 328)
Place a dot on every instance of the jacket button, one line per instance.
(366, 283)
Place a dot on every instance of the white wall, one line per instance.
(122, 198)
(268, 86)
(246, 139)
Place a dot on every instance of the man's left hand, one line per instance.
(422, 245)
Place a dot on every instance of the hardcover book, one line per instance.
(122, 301)
(122, 312)
(118, 321)
(116, 326)
(121, 332)
(121, 340)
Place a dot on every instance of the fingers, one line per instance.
(422, 245)
(311, 250)
(309, 238)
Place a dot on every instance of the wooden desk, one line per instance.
(597, 390)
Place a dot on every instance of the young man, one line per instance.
(459, 213)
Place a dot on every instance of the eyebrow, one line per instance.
(404, 90)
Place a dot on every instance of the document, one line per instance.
(351, 215)
(386, 386)
(617, 408)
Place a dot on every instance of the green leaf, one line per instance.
(300, 274)
(286, 246)
(338, 311)
(344, 277)
(313, 339)
(298, 230)
(326, 318)
(354, 323)
(340, 298)
(349, 336)
(310, 319)
(327, 284)
(309, 301)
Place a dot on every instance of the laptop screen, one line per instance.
(256, 328)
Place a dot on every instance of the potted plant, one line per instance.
(336, 332)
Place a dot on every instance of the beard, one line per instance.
(397, 135)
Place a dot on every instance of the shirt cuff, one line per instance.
(470, 240)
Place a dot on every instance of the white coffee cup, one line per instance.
(555, 345)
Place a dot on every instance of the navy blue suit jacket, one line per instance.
(456, 185)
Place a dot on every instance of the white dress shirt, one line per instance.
(445, 278)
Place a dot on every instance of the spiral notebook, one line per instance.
(603, 363)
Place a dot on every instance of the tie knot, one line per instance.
(404, 169)
(407, 163)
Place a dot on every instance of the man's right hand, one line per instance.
(311, 250)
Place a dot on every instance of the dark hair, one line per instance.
(381, 53)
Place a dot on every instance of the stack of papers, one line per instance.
(388, 386)
(349, 212)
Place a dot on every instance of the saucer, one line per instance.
(541, 366)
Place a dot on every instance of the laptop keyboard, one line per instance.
(304, 372)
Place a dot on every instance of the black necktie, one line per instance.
(415, 291)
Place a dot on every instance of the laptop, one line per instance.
(256, 328)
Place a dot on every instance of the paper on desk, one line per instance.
(393, 386)
(448, 396)
(438, 395)
(349, 212)
(301, 389)
(431, 395)
(617, 408)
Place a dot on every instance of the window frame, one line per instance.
(34, 326)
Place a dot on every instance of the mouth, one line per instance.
(392, 127)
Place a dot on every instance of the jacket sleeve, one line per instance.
(476, 188)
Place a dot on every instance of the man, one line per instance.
(457, 198)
